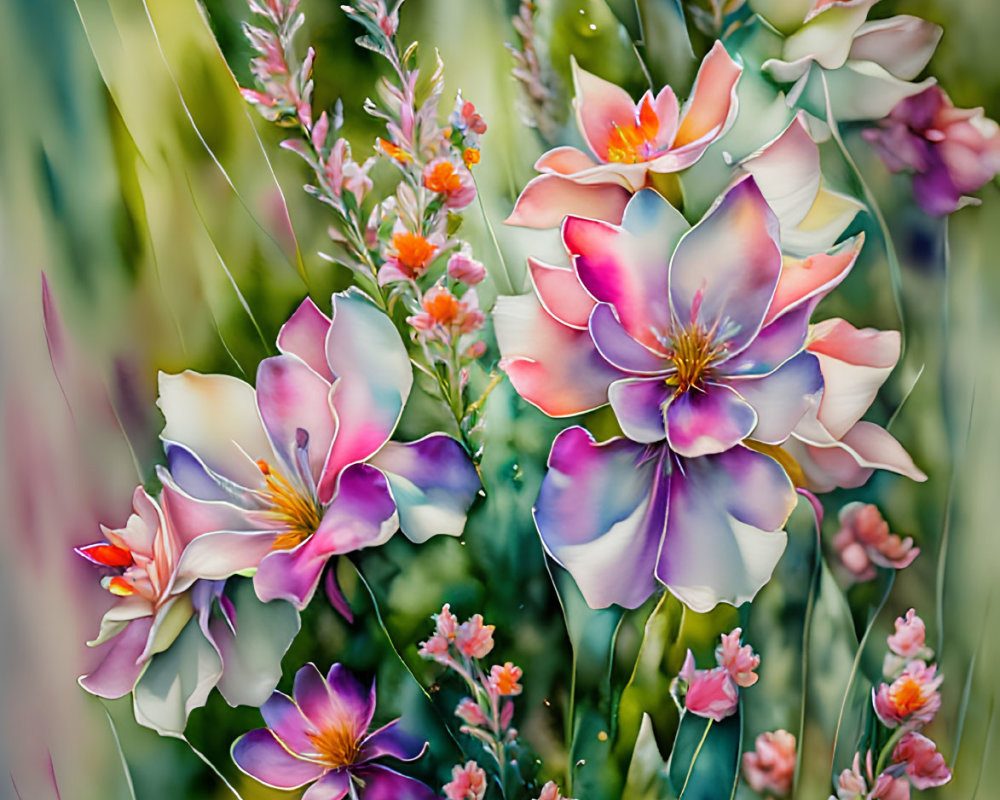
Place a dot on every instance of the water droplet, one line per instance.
(582, 12)
(592, 26)
(580, 763)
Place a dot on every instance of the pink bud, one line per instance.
(908, 640)
(770, 767)
(467, 782)
(710, 693)
(462, 267)
(468, 711)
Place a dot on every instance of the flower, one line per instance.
(301, 467)
(628, 141)
(739, 661)
(852, 785)
(867, 67)
(463, 267)
(504, 680)
(454, 181)
(710, 693)
(908, 640)
(445, 316)
(467, 783)
(925, 766)
(474, 640)
(321, 734)
(952, 151)
(864, 541)
(770, 767)
(469, 711)
(407, 257)
(551, 792)
(911, 699)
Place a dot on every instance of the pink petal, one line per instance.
(287, 722)
(902, 44)
(261, 756)
(332, 786)
(119, 669)
(709, 421)
(600, 105)
(812, 277)
(712, 104)
(564, 161)
(548, 199)
(561, 293)
(620, 349)
(304, 335)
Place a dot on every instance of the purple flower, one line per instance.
(302, 463)
(321, 734)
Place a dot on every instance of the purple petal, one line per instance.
(366, 353)
(724, 271)
(336, 596)
(774, 345)
(390, 740)
(382, 783)
(638, 404)
(783, 397)
(291, 398)
(626, 266)
(287, 722)
(332, 786)
(261, 756)
(711, 420)
(722, 536)
(600, 513)
(118, 671)
(433, 482)
(620, 349)
(355, 702)
(338, 701)
(191, 474)
(304, 335)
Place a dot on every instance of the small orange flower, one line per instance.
(504, 680)
(470, 156)
(394, 151)
(442, 178)
(413, 252)
(442, 306)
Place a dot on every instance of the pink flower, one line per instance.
(740, 661)
(908, 640)
(924, 764)
(890, 787)
(452, 180)
(467, 783)
(952, 151)
(437, 648)
(710, 693)
(628, 140)
(771, 765)
(474, 639)
(912, 698)
(463, 267)
(469, 712)
(504, 680)
(864, 541)
(853, 785)
(551, 792)
(445, 316)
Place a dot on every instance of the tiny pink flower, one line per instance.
(506, 714)
(474, 639)
(851, 782)
(770, 767)
(710, 693)
(446, 623)
(740, 661)
(469, 712)
(890, 787)
(467, 783)
(925, 766)
(463, 267)
(436, 647)
(908, 640)
(864, 541)
(912, 698)
(551, 792)
(504, 680)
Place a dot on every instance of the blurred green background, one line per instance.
(173, 233)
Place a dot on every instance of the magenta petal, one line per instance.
(337, 701)
(382, 783)
(710, 420)
(638, 404)
(548, 199)
(333, 786)
(261, 756)
(304, 335)
(356, 701)
(287, 722)
(600, 513)
(292, 397)
(620, 349)
(724, 271)
(118, 671)
(390, 740)
(782, 398)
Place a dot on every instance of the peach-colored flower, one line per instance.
(853, 784)
(912, 698)
(469, 711)
(551, 792)
(710, 693)
(908, 640)
(770, 767)
(504, 680)
(474, 639)
(740, 661)
(925, 766)
(467, 782)
(446, 623)
(444, 316)
(454, 181)
(864, 541)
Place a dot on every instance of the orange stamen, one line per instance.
(337, 746)
(295, 510)
(692, 351)
(470, 156)
(413, 251)
(630, 144)
(443, 307)
(394, 151)
(907, 696)
(443, 179)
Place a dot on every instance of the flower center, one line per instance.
(633, 143)
(337, 747)
(296, 511)
(692, 351)
(443, 179)
(413, 251)
(907, 696)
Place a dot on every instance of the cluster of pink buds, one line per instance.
(285, 92)
(714, 693)
(907, 700)
(864, 542)
(488, 712)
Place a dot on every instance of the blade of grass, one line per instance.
(211, 766)
(121, 755)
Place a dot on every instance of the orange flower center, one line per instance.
(633, 143)
(443, 179)
(413, 251)
(470, 156)
(294, 510)
(692, 351)
(907, 696)
(442, 306)
(394, 151)
(337, 747)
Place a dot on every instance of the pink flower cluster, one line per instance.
(770, 766)
(864, 542)
(714, 693)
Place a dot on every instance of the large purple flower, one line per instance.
(321, 734)
(695, 335)
(302, 464)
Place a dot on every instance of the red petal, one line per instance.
(106, 555)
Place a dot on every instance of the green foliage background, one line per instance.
(154, 201)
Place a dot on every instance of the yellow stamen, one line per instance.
(337, 746)
(692, 351)
(296, 510)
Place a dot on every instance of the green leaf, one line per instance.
(705, 759)
(665, 44)
(647, 773)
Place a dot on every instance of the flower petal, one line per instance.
(773, 346)
(712, 105)
(333, 786)
(812, 277)
(336, 701)
(216, 417)
(391, 740)
(552, 366)
(902, 44)
(287, 722)
(304, 335)
(600, 513)
(711, 420)
(724, 271)
(826, 37)
(600, 107)
(433, 482)
(722, 537)
(118, 671)
(638, 404)
(864, 90)
(782, 397)
(382, 783)
(260, 755)
(620, 349)
(374, 375)
(561, 293)
(564, 161)
(548, 199)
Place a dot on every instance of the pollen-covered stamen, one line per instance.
(296, 511)
(633, 143)
(692, 351)
(336, 746)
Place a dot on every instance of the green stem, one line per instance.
(887, 750)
